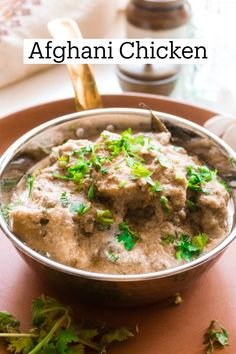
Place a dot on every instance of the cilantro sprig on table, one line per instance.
(54, 331)
(216, 336)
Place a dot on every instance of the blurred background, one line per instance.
(211, 85)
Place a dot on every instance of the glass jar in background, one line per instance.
(157, 18)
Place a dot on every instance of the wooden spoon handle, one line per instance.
(86, 92)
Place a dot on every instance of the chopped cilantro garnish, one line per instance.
(84, 150)
(165, 204)
(64, 199)
(152, 145)
(126, 143)
(191, 205)
(215, 337)
(91, 192)
(104, 217)
(80, 209)
(188, 248)
(104, 170)
(56, 331)
(179, 177)
(167, 239)
(122, 184)
(198, 176)
(155, 187)
(138, 170)
(112, 257)
(7, 184)
(64, 160)
(97, 162)
(127, 236)
(163, 160)
(130, 161)
(77, 172)
(6, 210)
(224, 183)
(30, 181)
(232, 161)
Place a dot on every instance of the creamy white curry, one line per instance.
(122, 204)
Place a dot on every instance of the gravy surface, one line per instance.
(123, 204)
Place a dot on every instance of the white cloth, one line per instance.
(28, 19)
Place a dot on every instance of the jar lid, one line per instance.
(149, 72)
(159, 3)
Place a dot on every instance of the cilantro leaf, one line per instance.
(112, 257)
(119, 335)
(163, 160)
(7, 184)
(22, 345)
(41, 306)
(127, 236)
(65, 338)
(5, 211)
(126, 143)
(91, 192)
(155, 186)
(167, 239)
(198, 176)
(80, 209)
(8, 323)
(200, 241)
(138, 170)
(104, 170)
(188, 248)
(30, 181)
(216, 336)
(77, 172)
(63, 161)
(191, 205)
(165, 204)
(122, 184)
(232, 161)
(64, 199)
(104, 217)
(55, 331)
(225, 184)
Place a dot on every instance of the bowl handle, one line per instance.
(86, 92)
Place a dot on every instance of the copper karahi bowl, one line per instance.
(108, 289)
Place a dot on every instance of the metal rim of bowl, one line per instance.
(10, 152)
